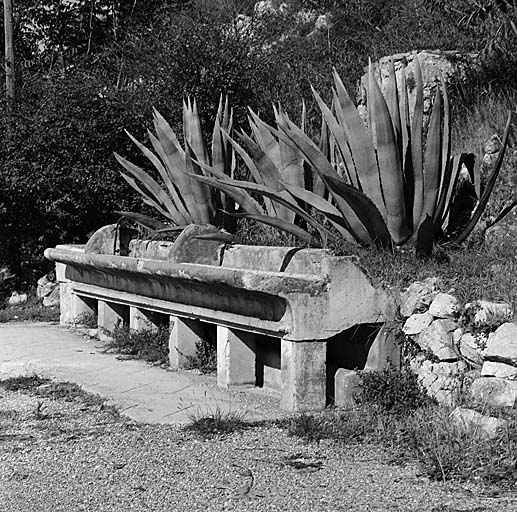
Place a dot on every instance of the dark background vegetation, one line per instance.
(105, 64)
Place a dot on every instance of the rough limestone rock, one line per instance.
(417, 297)
(504, 371)
(442, 381)
(416, 323)
(452, 65)
(492, 149)
(53, 298)
(484, 312)
(437, 338)
(5, 274)
(110, 239)
(476, 423)
(45, 286)
(494, 391)
(503, 234)
(502, 345)
(268, 7)
(190, 247)
(17, 298)
(444, 305)
(456, 335)
(471, 347)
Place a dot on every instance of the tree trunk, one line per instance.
(9, 51)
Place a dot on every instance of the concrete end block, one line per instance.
(347, 388)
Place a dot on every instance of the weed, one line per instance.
(205, 359)
(493, 319)
(447, 452)
(149, 344)
(216, 422)
(392, 390)
(86, 320)
(32, 310)
(425, 434)
(38, 411)
(40, 387)
(364, 423)
(24, 383)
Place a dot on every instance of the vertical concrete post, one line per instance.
(236, 358)
(303, 369)
(140, 319)
(110, 316)
(184, 336)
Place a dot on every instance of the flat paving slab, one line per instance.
(141, 391)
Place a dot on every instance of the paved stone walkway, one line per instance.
(141, 391)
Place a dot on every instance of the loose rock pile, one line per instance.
(462, 352)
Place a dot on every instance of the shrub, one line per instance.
(149, 344)
(205, 359)
(425, 434)
(58, 181)
(392, 390)
(216, 422)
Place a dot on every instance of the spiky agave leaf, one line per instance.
(149, 189)
(174, 158)
(416, 146)
(142, 220)
(355, 207)
(279, 224)
(360, 143)
(272, 195)
(226, 238)
(225, 184)
(223, 160)
(432, 161)
(364, 208)
(340, 139)
(483, 201)
(392, 101)
(389, 161)
(318, 187)
(321, 205)
(203, 194)
(166, 179)
(291, 160)
(272, 176)
(172, 177)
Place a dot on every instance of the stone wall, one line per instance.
(461, 354)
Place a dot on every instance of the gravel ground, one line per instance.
(67, 456)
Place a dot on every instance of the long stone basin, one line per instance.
(300, 296)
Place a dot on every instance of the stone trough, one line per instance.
(283, 318)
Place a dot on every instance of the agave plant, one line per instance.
(387, 184)
(178, 197)
(278, 169)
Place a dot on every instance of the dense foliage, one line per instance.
(86, 69)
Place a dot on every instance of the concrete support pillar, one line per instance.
(110, 316)
(303, 375)
(236, 358)
(73, 308)
(183, 339)
(347, 387)
(140, 319)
